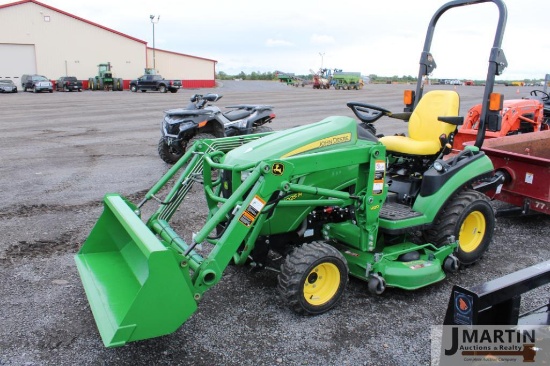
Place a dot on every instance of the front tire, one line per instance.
(200, 136)
(168, 153)
(133, 88)
(470, 218)
(313, 278)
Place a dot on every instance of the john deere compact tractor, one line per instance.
(330, 198)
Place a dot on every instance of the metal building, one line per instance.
(38, 38)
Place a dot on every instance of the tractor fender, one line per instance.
(438, 187)
(433, 180)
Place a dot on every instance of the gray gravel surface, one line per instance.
(61, 152)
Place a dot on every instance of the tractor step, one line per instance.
(397, 211)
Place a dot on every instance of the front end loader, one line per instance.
(320, 202)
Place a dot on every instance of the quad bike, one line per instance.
(181, 127)
(321, 202)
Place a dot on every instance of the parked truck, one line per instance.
(154, 83)
(68, 83)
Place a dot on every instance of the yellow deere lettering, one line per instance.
(327, 141)
(294, 196)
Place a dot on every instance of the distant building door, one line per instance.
(16, 60)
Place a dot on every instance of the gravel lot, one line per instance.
(61, 152)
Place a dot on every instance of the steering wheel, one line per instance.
(545, 97)
(368, 113)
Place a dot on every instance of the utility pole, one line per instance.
(153, 21)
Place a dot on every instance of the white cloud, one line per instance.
(383, 38)
(322, 39)
(278, 43)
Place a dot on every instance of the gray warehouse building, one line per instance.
(34, 35)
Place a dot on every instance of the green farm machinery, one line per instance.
(290, 79)
(346, 80)
(317, 202)
(104, 79)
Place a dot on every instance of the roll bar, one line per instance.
(497, 60)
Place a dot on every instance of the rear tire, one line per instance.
(169, 154)
(470, 218)
(163, 89)
(262, 129)
(313, 278)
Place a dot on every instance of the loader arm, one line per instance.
(143, 280)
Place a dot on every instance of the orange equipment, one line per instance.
(518, 116)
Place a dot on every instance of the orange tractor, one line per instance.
(518, 116)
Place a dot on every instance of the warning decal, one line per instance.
(252, 211)
(379, 172)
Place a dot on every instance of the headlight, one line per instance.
(172, 124)
(440, 166)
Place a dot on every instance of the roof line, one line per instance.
(72, 16)
(180, 54)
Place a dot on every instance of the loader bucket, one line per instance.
(134, 284)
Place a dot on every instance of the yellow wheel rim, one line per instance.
(321, 284)
(472, 231)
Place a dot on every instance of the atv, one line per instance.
(181, 127)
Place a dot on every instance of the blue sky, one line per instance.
(372, 37)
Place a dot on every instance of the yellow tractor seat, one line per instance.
(424, 127)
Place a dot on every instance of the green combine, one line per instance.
(330, 199)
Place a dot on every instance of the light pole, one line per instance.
(153, 21)
(322, 54)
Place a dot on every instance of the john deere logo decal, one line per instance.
(327, 141)
(277, 169)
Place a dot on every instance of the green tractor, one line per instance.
(321, 201)
(104, 79)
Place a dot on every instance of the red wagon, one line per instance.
(524, 161)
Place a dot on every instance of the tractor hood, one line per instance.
(317, 137)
